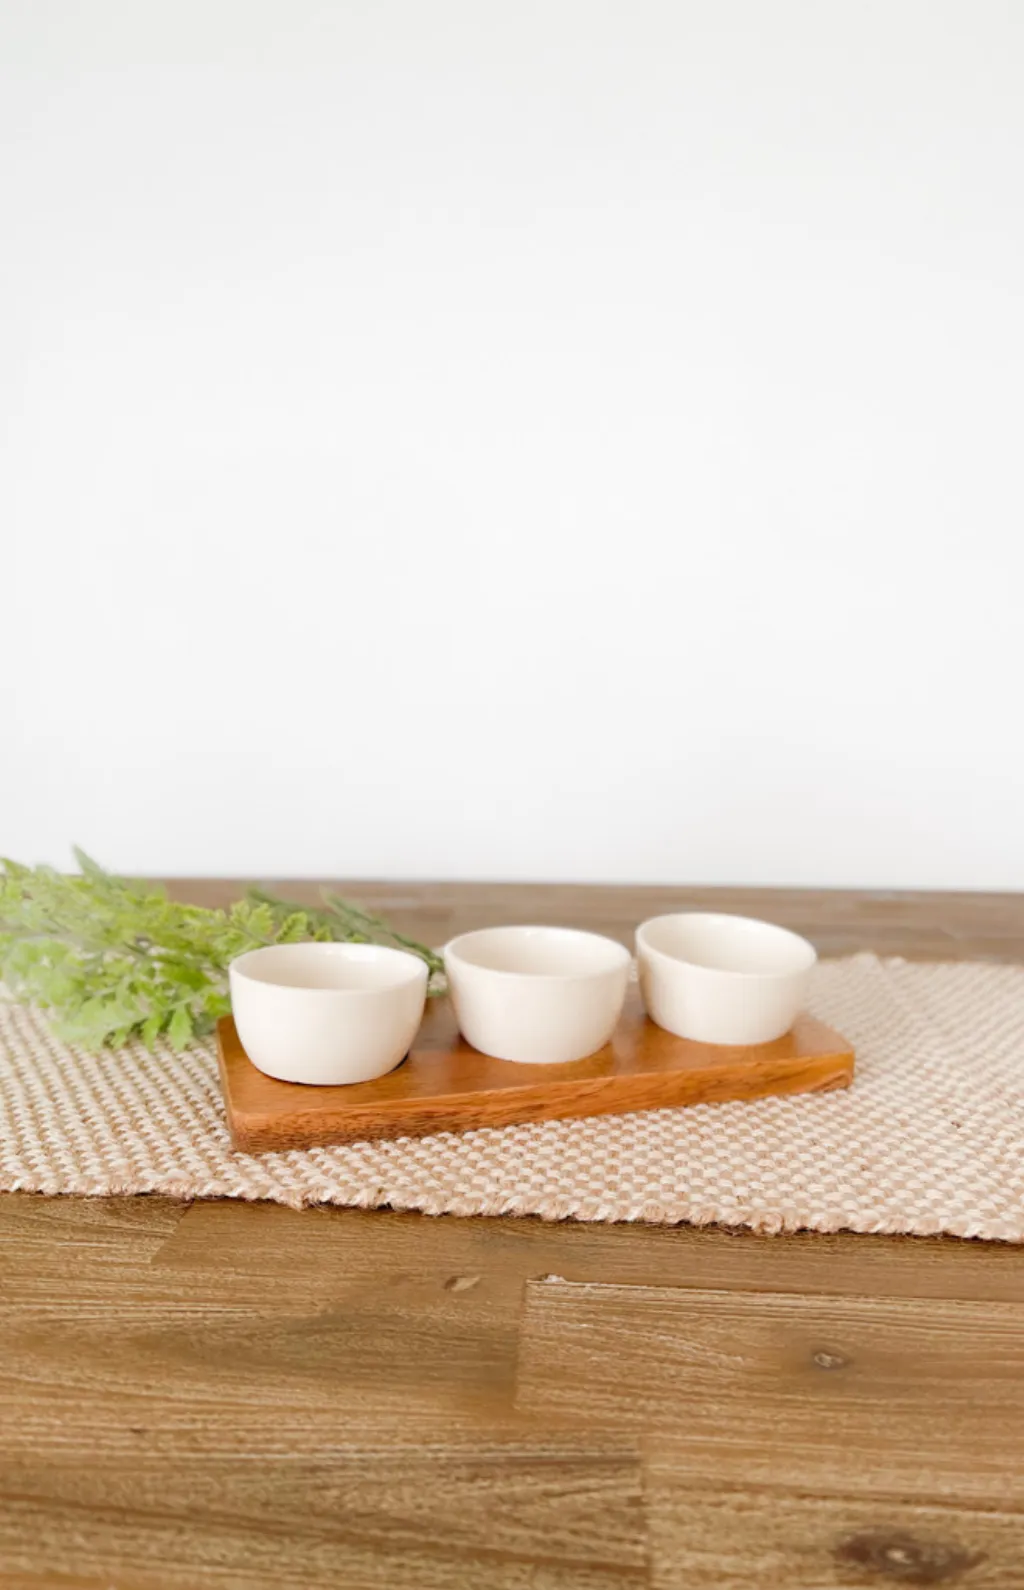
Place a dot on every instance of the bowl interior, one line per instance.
(539, 952)
(344, 968)
(729, 944)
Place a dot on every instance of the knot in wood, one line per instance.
(826, 1360)
(905, 1558)
(461, 1283)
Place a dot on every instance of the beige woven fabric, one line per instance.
(930, 1138)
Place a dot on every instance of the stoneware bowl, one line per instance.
(541, 995)
(327, 1013)
(722, 979)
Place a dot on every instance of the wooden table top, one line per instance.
(247, 1396)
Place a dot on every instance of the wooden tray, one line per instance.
(445, 1086)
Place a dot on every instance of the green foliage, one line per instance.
(110, 958)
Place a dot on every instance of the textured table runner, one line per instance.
(929, 1139)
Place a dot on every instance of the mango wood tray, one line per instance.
(445, 1086)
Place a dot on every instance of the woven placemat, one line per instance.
(929, 1139)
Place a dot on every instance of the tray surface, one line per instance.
(446, 1086)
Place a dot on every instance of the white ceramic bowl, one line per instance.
(541, 995)
(327, 1013)
(722, 979)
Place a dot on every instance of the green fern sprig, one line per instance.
(109, 959)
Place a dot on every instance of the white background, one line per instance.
(514, 438)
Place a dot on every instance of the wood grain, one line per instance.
(757, 1539)
(418, 1256)
(246, 1397)
(512, 1515)
(937, 1387)
(127, 1232)
(229, 1366)
(444, 1085)
(922, 925)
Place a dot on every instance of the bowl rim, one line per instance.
(621, 961)
(416, 969)
(645, 947)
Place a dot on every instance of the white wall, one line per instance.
(528, 438)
